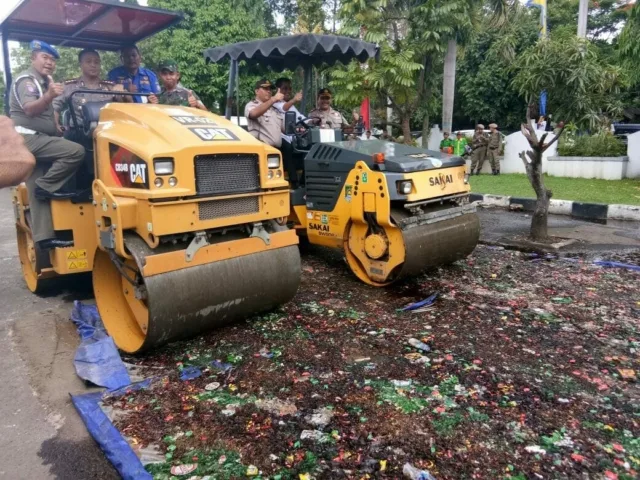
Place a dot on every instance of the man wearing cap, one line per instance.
(460, 145)
(293, 163)
(172, 92)
(90, 65)
(479, 147)
(326, 116)
(264, 121)
(31, 108)
(446, 144)
(132, 76)
(493, 148)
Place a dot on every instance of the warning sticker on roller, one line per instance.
(77, 254)
(77, 264)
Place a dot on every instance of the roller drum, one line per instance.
(440, 243)
(190, 301)
(186, 302)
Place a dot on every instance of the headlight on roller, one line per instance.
(405, 187)
(273, 161)
(163, 166)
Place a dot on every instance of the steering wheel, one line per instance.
(302, 127)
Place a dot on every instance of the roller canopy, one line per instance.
(98, 24)
(288, 52)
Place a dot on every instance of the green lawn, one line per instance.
(626, 192)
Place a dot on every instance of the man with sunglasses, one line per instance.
(264, 121)
(325, 116)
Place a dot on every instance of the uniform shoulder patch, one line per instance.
(106, 82)
(72, 81)
(30, 87)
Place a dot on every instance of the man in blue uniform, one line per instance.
(132, 76)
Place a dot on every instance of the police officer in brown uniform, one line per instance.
(90, 65)
(31, 108)
(493, 149)
(479, 148)
(264, 121)
(326, 116)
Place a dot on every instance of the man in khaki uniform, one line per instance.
(326, 116)
(31, 108)
(90, 66)
(493, 149)
(479, 147)
(264, 121)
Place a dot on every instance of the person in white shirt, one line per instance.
(542, 123)
(287, 104)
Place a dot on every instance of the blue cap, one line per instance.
(39, 46)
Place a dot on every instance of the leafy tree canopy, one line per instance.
(582, 87)
(207, 24)
(484, 74)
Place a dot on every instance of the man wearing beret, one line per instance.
(264, 121)
(172, 92)
(31, 108)
(326, 116)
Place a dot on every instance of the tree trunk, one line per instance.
(406, 130)
(449, 85)
(532, 160)
(539, 229)
(425, 131)
(583, 15)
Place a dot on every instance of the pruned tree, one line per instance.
(532, 160)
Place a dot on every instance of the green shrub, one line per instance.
(599, 145)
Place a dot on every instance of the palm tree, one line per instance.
(464, 12)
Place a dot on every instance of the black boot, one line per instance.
(497, 172)
(42, 194)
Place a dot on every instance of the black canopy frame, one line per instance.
(279, 53)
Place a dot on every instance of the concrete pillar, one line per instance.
(633, 152)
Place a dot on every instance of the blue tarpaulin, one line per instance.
(114, 446)
(604, 263)
(97, 359)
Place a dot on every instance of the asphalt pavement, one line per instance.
(41, 436)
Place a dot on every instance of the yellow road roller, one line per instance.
(395, 210)
(183, 223)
